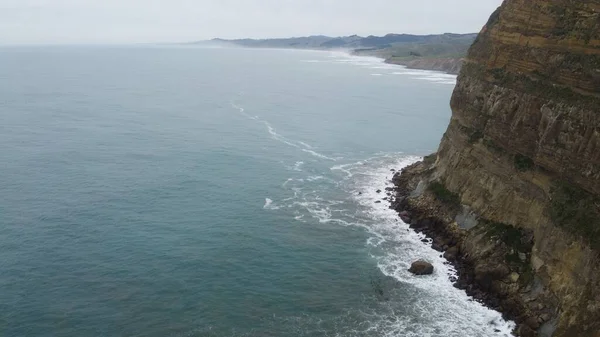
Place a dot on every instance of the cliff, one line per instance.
(440, 52)
(514, 188)
(450, 65)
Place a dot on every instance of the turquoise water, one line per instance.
(169, 191)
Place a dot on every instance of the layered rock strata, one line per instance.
(514, 187)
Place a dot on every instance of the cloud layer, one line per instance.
(123, 21)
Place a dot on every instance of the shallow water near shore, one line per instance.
(181, 191)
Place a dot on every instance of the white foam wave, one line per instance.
(456, 314)
(442, 309)
(428, 75)
(279, 137)
(365, 61)
(415, 72)
(319, 155)
(378, 63)
(276, 136)
(384, 66)
(297, 144)
(436, 78)
(237, 107)
(346, 168)
(286, 182)
(305, 145)
(269, 205)
(298, 166)
(242, 111)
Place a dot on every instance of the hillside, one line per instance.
(442, 52)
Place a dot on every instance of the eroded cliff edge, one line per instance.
(513, 193)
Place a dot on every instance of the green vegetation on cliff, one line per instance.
(518, 243)
(443, 194)
(523, 150)
(523, 163)
(577, 211)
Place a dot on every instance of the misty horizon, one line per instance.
(180, 21)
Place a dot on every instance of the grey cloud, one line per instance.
(123, 21)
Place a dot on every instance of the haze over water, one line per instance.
(169, 191)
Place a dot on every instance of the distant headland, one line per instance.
(440, 52)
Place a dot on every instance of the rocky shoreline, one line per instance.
(512, 196)
(488, 278)
(448, 65)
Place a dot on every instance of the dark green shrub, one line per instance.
(492, 146)
(443, 194)
(523, 163)
(498, 73)
(577, 211)
(510, 235)
(430, 159)
(518, 241)
(475, 136)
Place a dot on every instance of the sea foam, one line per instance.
(445, 310)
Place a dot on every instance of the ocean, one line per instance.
(187, 191)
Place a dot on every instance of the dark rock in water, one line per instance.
(389, 189)
(421, 268)
(359, 193)
(451, 254)
(405, 216)
(533, 323)
(384, 199)
(511, 306)
(478, 295)
(378, 202)
(392, 170)
(425, 240)
(436, 246)
(378, 191)
(526, 331)
(461, 284)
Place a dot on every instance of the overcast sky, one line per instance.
(122, 21)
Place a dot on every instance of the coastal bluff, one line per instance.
(514, 189)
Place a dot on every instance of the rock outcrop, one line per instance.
(450, 65)
(421, 268)
(515, 183)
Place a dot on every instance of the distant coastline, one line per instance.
(437, 52)
(449, 65)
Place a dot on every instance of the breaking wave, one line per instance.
(348, 195)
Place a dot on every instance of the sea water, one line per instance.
(184, 191)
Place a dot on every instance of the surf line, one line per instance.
(304, 147)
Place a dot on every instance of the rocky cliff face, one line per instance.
(517, 173)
